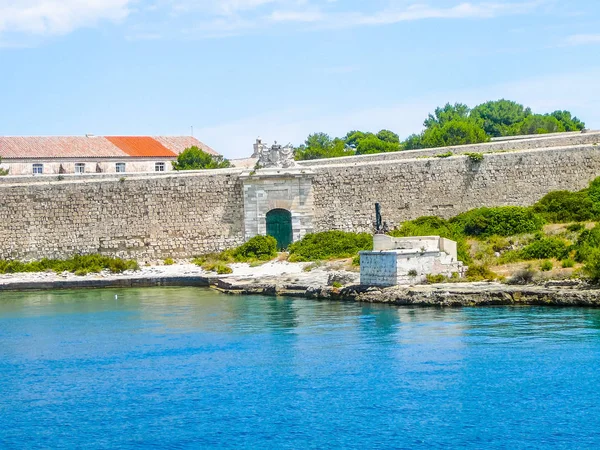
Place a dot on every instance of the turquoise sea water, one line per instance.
(189, 368)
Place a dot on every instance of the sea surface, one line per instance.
(191, 368)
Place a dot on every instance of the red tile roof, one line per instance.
(141, 146)
(180, 143)
(31, 147)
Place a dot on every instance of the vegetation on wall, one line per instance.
(451, 124)
(194, 158)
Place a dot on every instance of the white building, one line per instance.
(29, 155)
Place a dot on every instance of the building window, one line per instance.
(38, 169)
(79, 167)
(120, 167)
(159, 167)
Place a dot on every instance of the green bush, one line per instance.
(168, 262)
(565, 206)
(480, 273)
(592, 266)
(412, 273)
(79, 265)
(546, 266)
(330, 245)
(444, 155)
(262, 248)
(588, 241)
(435, 279)
(568, 263)
(576, 227)
(501, 221)
(545, 248)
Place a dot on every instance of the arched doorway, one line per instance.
(279, 225)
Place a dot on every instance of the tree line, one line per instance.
(455, 124)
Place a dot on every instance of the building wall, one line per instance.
(184, 214)
(53, 167)
(146, 217)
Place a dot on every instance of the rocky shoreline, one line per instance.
(291, 280)
(438, 295)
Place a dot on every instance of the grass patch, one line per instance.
(79, 265)
(256, 251)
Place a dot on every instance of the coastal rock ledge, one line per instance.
(440, 295)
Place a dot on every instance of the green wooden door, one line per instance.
(279, 225)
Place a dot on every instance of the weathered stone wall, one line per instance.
(145, 217)
(185, 214)
(344, 195)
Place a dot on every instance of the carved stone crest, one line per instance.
(274, 156)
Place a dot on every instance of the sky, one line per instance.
(235, 70)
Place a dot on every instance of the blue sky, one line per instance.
(281, 69)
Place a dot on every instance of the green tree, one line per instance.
(320, 145)
(455, 132)
(389, 136)
(570, 123)
(537, 124)
(194, 158)
(498, 116)
(413, 142)
(372, 144)
(441, 116)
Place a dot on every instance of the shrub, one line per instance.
(474, 157)
(568, 263)
(262, 248)
(356, 260)
(223, 269)
(545, 248)
(444, 155)
(592, 266)
(330, 245)
(565, 206)
(546, 266)
(169, 262)
(435, 279)
(412, 273)
(576, 227)
(79, 265)
(587, 242)
(337, 284)
(501, 221)
(480, 273)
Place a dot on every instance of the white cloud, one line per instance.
(575, 92)
(52, 17)
(583, 39)
(210, 18)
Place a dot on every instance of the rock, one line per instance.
(342, 278)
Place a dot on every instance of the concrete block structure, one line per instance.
(395, 261)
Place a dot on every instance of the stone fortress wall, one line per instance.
(186, 214)
(141, 217)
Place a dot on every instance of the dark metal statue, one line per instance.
(378, 219)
